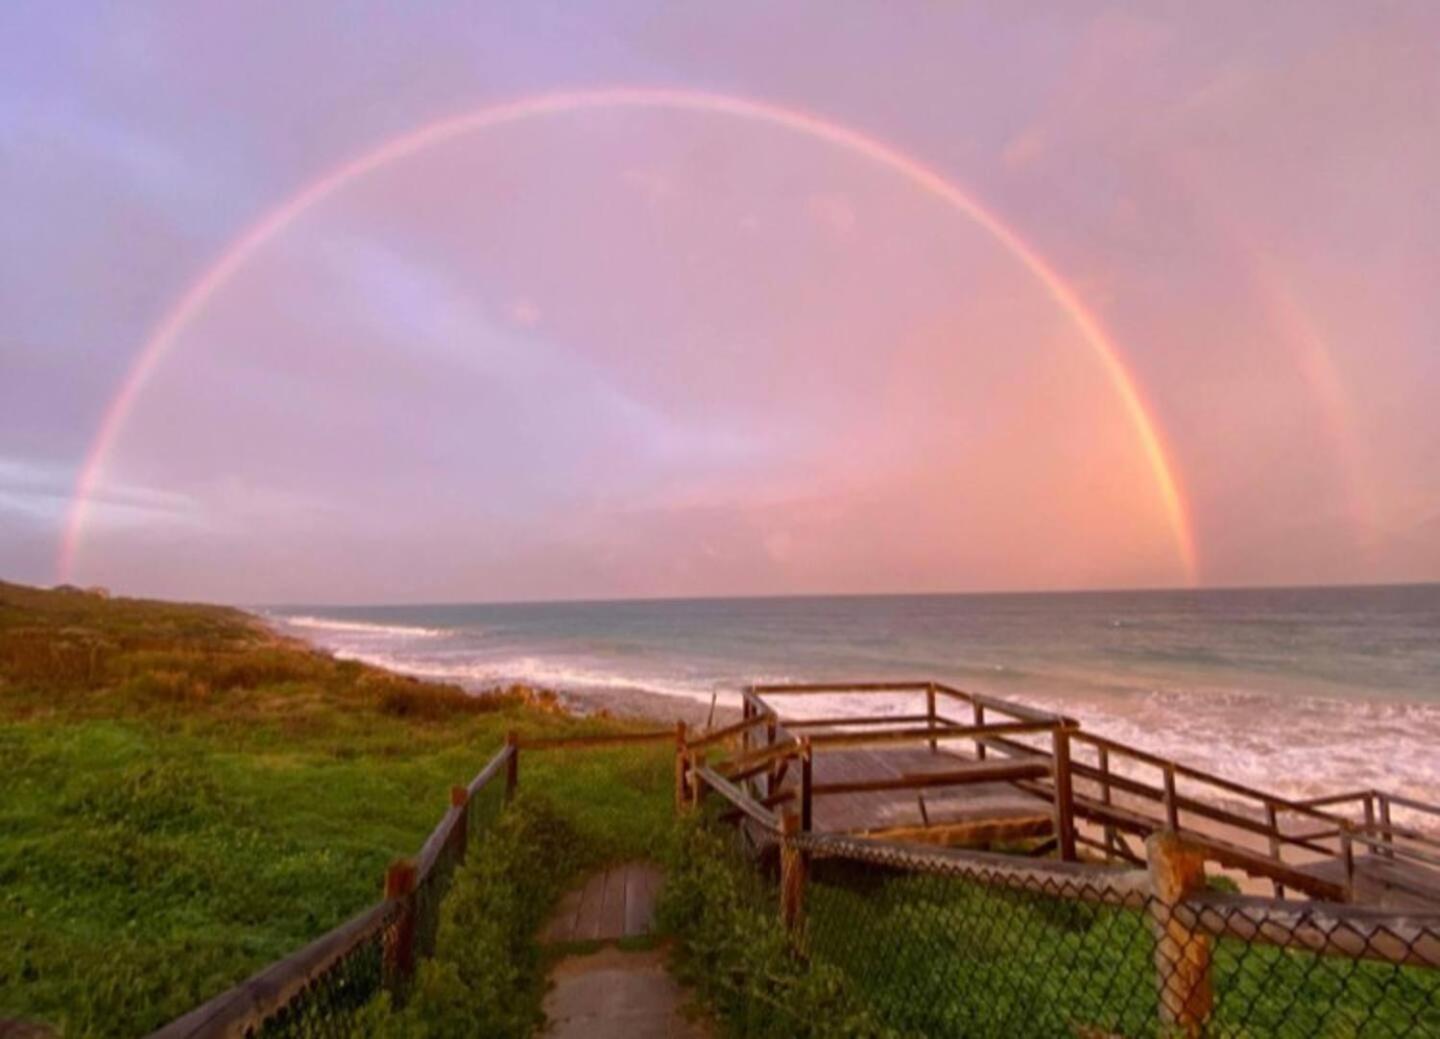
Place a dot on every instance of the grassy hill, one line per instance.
(185, 796)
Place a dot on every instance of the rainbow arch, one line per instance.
(163, 336)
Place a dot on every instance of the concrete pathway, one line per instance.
(613, 994)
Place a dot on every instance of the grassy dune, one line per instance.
(185, 796)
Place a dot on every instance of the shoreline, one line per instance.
(1296, 747)
(627, 703)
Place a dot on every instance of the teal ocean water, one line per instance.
(1304, 691)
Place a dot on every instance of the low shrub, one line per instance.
(486, 978)
(401, 697)
(736, 953)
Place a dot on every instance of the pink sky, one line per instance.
(646, 351)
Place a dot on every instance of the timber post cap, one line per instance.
(1170, 843)
(459, 796)
(399, 878)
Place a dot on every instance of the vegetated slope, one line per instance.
(185, 796)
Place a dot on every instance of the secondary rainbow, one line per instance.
(165, 334)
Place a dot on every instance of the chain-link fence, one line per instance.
(324, 1005)
(315, 992)
(940, 944)
(623, 786)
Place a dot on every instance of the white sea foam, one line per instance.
(361, 628)
(1296, 746)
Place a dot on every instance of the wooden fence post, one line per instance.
(930, 712)
(793, 869)
(1064, 794)
(1387, 834)
(697, 785)
(460, 798)
(807, 756)
(512, 765)
(1172, 800)
(1272, 823)
(770, 730)
(1182, 951)
(681, 798)
(400, 940)
(979, 709)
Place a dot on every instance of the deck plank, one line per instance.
(878, 811)
(614, 903)
(587, 917)
(642, 886)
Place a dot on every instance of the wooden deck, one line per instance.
(615, 903)
(975, 812)
(1381, 881)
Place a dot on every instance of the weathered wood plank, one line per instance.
(612, 905)
(642, 890)
(592, 903)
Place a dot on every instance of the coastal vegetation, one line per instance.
(186, 796)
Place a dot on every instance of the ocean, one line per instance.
(1299, 691)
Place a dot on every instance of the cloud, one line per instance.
(524, 313)
(1025, 148)
(653, 184)
(833, 211)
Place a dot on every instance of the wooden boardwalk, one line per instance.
(615, 903)
(974, 813)
(968, 769)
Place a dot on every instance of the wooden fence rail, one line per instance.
(243, 1009)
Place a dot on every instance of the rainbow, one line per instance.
(165, 334)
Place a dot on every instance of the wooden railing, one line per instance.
(244, 1009)
(1097, 787)
(393, 926)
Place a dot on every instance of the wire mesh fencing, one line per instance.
(942, 945)
(316, 991)
(324, 1007)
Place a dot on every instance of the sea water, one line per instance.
(1299, 691)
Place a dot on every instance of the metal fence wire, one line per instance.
(323, 1009)
(315, 992)
(942, 946)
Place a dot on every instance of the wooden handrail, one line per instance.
(869, 719)
(738, 798)
(1010, 707)
(809, 688)
(241, 1010)
(918, 735)
(435, 843)
(618, 739)
(997, 772)
(1363, 932)
(721, 735)
(491, 770)
(1187, 804)
(1227, 785)
(1409, 802)
(739, 767)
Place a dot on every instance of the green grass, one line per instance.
(937, 955)
(185, 797)
(899, 954)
